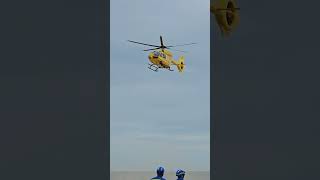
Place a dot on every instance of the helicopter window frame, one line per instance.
(156, 53)
(162, 55)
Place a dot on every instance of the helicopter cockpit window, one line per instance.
(156, 53)
(162, 55)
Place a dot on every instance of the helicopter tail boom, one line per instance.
(180, 64)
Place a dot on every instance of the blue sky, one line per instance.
(159, 118)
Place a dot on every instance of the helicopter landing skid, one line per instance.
(155, 68)
(170, 69)
(151, 66)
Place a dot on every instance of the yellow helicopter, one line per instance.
(162, 58)
(226, 13)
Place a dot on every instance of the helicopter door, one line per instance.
(155, 54)
(163, 55)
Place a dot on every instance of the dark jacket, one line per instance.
(158, 177)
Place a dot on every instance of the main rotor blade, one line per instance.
(144, 44)
(152, 49)
(161, 41)
(182, 45)
(177, 50)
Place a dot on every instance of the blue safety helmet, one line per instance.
(180, 173)
(160, 171)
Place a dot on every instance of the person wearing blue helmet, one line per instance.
(180, 174)
(160, 173)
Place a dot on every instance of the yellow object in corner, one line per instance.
(226, 13)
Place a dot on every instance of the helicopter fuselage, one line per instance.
(161, 58)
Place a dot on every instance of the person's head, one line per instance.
(160, 171)
(180, 173)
